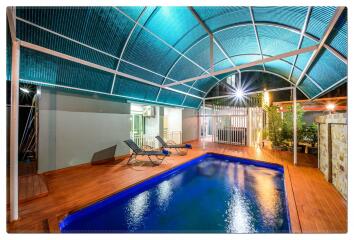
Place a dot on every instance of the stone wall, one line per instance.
(323, 161)
(333, 150)
(340, 157)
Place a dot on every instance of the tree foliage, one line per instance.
(280, 129)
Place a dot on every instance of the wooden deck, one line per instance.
(31, 187)
(314, 204)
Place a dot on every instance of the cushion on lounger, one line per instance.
(189, 146)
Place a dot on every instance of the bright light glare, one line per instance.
(239, 93)
(266, 98)
(330, 106)
(25, 90)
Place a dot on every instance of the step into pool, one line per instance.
(210, 194)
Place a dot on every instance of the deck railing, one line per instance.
(148, 139)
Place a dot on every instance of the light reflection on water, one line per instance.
(267, 195)
(136, 209)
(164, 193)
(238, 219)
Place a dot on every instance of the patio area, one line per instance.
(315, 205)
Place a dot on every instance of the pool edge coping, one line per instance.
(54, 222)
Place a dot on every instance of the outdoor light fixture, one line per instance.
(239, 93)
(266, 98)
(330, 107)
(25, 90)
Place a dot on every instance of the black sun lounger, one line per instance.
(137, 151)
(177, 147)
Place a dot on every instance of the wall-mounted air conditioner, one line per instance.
(149, 111)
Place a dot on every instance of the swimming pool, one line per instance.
(210, 194)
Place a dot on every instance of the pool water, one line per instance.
(211, 194)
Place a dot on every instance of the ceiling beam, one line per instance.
(257, 37)
(303, 30)
(99, 67)
(330, 88)
(129, 98)
(325, 36)
(125, 46)
(250, 93)
(329, 48)
(282, 60)
(196, 15)
(247, 65)
(262, 71)
(211, 44)
(11, 19)
(93, 48)
(160, 39)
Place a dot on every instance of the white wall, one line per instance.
(173, 118)
(190, 125)
(154, 126)
(173, 124)
(73, 127)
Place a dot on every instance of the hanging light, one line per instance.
(330, 107)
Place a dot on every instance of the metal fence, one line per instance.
(150, 140)
(233, 125)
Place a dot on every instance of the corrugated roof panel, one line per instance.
(205, 84)
(238, 40)
(290, 16)
(180, 87)
(138, 72)
(184, 69)
(200, 53)
(178, 20)
(106, 28)
(190, 38)
(239, 60)
(327, 69)
(196, 93)
(338, 39)
(131, 88)
(295, 75)
(279, 67)
(309, 87)
(223, 64)
(275, 41)
(100, 27)
(303, 58)
(147, 51)
(51, 41)
(257, 67)
(41, 67)
(192, 102)
(219, 17)
(319, 20)
(167, 96)
(132, 12)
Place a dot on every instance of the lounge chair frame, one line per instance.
(172, 145)
(137, 151)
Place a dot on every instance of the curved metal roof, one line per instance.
(162, 54)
